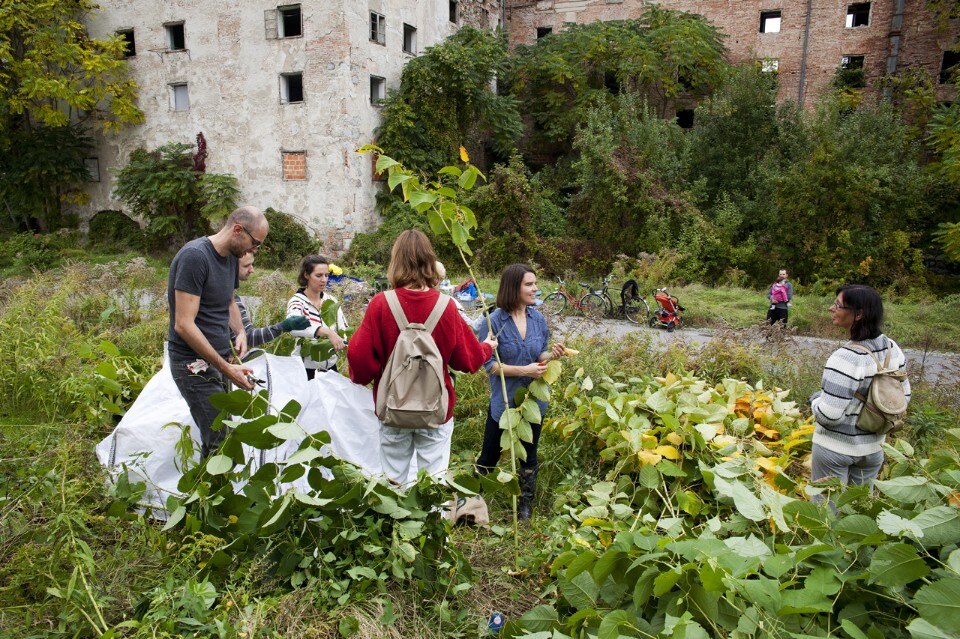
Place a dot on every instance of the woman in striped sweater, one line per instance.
(308, 302)
(840, 449)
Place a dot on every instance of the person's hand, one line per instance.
(237, 373)
(295, 323)
(240, 345)
(557, 351)
(336, 341)
(535, 370)
(492, 341)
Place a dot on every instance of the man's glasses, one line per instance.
(256, 243)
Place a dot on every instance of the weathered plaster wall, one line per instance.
(739, 21)
(233, 75)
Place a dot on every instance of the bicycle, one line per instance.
(597, 303)
(556, 302)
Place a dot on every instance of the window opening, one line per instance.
(130, 44)
(291, 21)
(685, 118)
(291, 88)
(858, 15)
(543, 32)
(850, 74)
(176, 40)
(179, 97)
(770, 65)
(93, 169)
(454, 11)
(948, 66)
(378, 89)
(378, 28)
(770, 21)
(611, 83)
(409, 39)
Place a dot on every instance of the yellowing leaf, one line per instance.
(769, 433)
(673, 438)
(463, 155)
(667, 451)
(647, 457)
(768, 464)
(594, 521)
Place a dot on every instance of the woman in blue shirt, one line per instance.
(523, 338)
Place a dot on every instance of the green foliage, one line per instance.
(629, 171)
(115, 230)
(424, 127)
(659, 57)
(289, 242)
(56, 82)
(698, 530)
(176, 201)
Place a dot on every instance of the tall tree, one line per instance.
(56, 83)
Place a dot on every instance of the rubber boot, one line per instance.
(528, 483)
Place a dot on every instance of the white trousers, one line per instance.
(431, 446)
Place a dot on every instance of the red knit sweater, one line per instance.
(370, 347)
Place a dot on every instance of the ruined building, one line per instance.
(284, 94)
(804, 41)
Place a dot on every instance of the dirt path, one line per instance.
(932, 365)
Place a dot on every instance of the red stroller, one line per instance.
(668, 315)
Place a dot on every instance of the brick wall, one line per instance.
(739, 20)
(294, 165)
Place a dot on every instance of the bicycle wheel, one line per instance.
(553, 304)
(592, 306)
(636, 309)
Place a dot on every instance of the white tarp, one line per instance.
(145, 439)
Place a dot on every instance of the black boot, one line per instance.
(528, 483)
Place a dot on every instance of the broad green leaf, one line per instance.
(541, 618)
(539, 389)
(219, 464)
(358, 572)
(896, 565)
(908, 490)
(660, 403)
(744, 500)
(611, 622)
(939, 604)
(665, 581)
(451, 170)
(303, 456)
(422, 197)
(287, 431)
(309, 500)
(851, 629)
(748, 546)
(940, 525)
(396, 179)
(855, 528)
(109, 348)
(384, 162)
(581, 591)
(436, 222)
(531, 412)
(920, 628)
(649, 476)
(459, 234)
(468, 178)
(175, 517)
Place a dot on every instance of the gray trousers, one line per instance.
(197, 388)
(431, 446)
(847, 468)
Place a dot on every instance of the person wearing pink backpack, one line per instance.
(780, 294)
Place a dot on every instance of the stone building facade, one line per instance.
(283, 93)
(805, 41)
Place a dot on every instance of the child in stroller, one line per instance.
(669, 315)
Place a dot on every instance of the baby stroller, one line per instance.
(668, 315)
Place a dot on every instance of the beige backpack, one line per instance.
(411, 393)
(885, 404)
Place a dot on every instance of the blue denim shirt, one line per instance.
(514, 351)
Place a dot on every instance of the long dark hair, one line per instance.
(508, 296)
(867, 308)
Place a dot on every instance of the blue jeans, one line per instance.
(197, 388)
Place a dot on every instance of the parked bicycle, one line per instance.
(556, 302)
(598, 304)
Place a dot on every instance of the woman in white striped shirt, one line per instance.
(308, 302)
(840, 449)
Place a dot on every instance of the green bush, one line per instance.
(287, 243)
(115, 230)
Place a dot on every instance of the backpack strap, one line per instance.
(442, 302)
(863, 349)
(394, 303)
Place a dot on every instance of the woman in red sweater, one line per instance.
(413, 274)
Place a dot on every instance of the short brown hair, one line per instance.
(412, 261)
(508, 296)
(309, 263)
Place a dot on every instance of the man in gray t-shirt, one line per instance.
(203, 276)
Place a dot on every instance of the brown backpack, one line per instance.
(411, 393)
(885, 404)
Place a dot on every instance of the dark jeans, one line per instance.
(775, 315)
(490, 453)
(197, 388)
